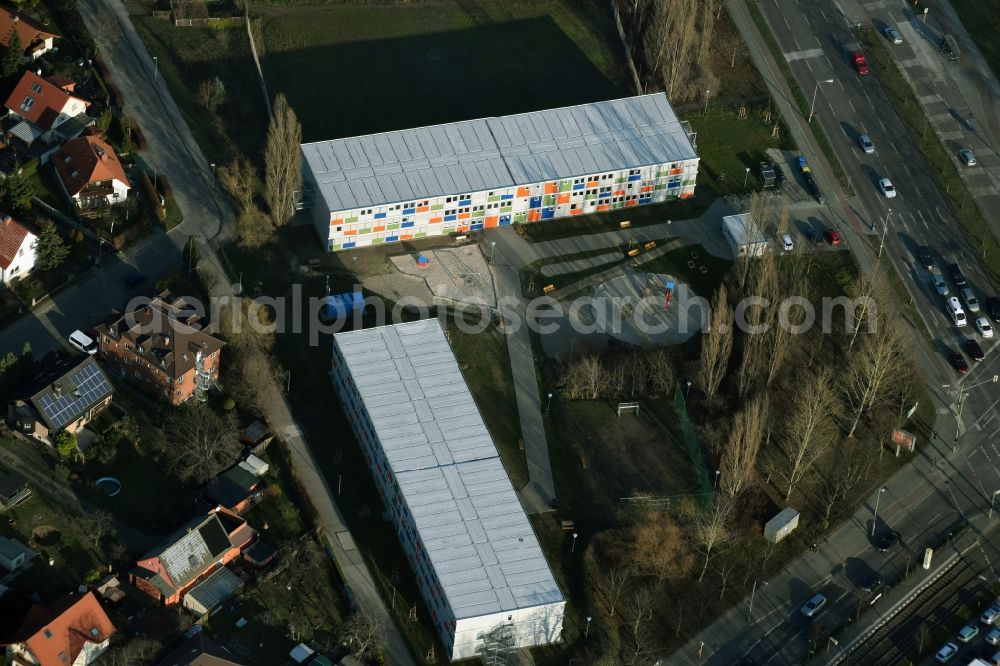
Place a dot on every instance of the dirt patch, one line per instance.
(46, 535)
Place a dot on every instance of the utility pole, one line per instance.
(875, 516)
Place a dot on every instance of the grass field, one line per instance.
(355, 69)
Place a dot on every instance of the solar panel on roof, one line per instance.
(87, 387)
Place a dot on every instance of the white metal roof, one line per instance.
(469, 518)
(416, 397)
(478, 538)
(498, 152)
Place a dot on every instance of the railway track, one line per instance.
(898, 641)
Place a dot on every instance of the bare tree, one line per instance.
(660, 548)
(613, 584)
(639, 370)
(870, 292)
(808, 428)
(725, 566)
(871, 369)
(847, 466)
(239, 180)
(716, 344)
(254, 227)
(283, 162)
(584, 377)
(131, 652)
(661, 370)
(712, 528)
(641, 609)
(364, 634)
(97, 525)
(202, 442)
(739, 458)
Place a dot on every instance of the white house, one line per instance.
(744, 235)
(17, 249)
(35, 39)
(90, 172)
(46, 107)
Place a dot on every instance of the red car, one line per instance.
(860, 64)
(833, 237)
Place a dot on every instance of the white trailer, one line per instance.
(744, 235)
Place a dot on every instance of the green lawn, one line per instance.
(676, 262)
(188, 56)
(428, 63)
(982, 19)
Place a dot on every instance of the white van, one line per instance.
(83, 342)
(955, 310)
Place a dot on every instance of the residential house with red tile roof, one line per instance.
(90, 173)
(163, 349)
(17, 249)
(48, 109)
(35, 38)
(191, 555)
(74, 631)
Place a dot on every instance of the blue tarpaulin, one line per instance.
(337, 305)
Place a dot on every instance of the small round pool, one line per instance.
(109, 485)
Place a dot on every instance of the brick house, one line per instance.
(72, 631)
(162, 349)
(191, 555)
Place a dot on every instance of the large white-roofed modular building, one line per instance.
(492, 172)
(477, 560)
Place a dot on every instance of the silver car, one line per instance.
(967, 156)
(893, 35)
(940, 284)
(866, 144)
(811, 607)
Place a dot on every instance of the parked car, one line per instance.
(993, 307)
(890, 539)
(83, 342)
(786, 242)
(967, 156)
(886, 187)
(940, 284)
(971, 300)
(866, 144)
(993, 637)
(954, 308)
(984, 327)
(968, 632)
(134, 280)
(872, 582)
(814, 236)
(946, 652)
(956, 275)
(892, 35)
(860, 64)
(833, 237)
(991, 614)
(974, 350)
(813, 606)
(925, 257)
(958, 361)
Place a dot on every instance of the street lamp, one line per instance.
(156, 68)
(493, 249)
(812, 107)
(706, 99)
(993, 497)
(746, 178)
(877, 498)
(752, 591)
(548, 405)
(572, 547)
(885, 228)
(963, 392)
(717, 473)
(586, 630)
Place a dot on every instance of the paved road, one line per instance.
(925, 498)
(172, 151)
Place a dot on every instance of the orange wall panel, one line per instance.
(523, 192)
(563, 198)
(551, 188)
(435, 220)
(423, 209)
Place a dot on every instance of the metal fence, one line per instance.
(693, 447)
